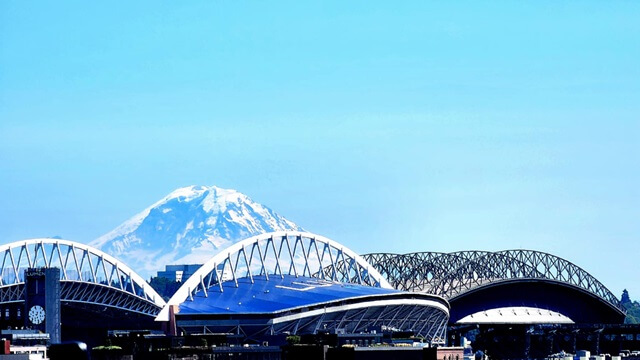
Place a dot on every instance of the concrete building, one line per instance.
(178, 273)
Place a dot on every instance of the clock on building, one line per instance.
(42, 301)
(36, 314)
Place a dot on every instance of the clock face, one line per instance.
(36, 314)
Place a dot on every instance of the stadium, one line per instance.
(280, 284)
(283, 283)
(78, 290)
(298, 283)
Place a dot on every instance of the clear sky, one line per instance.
(387, 126)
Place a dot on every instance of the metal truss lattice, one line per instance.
(87, 275)
(452, 274)
(279, 254)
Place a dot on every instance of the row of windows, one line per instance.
(625, 337)
(8, 313)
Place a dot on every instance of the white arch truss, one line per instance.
(87, 275)
(279, 254)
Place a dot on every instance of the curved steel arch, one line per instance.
(278, 254)
(87, 275)
(453, 274)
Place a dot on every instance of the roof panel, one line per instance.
(274, 295)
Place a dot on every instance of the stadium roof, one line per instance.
(281, 294)
(297, 283)
(275, 255)
(516, 315)
(299, 305)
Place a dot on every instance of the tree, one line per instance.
(632, 307)
(165, 287)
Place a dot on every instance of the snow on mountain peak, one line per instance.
(189, 225)
(186, 193)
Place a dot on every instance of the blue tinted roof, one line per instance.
(276, 294)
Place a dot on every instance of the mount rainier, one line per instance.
(189, 226)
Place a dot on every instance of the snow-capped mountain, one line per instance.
(189, 226)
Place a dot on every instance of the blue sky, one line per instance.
(418, 126)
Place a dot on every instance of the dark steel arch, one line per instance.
(452, 275)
